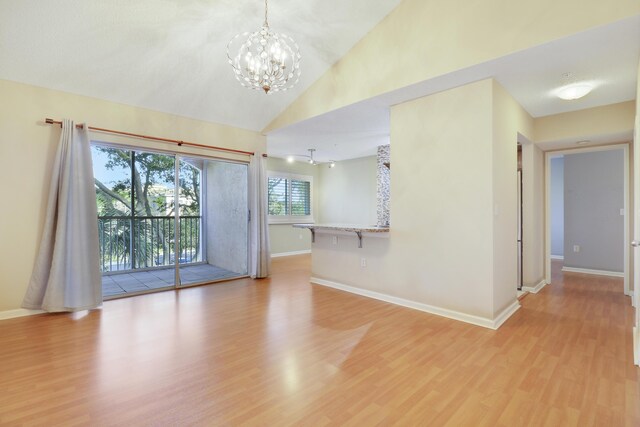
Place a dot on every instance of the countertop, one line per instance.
(356, 228)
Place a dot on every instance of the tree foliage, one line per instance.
(144, 184)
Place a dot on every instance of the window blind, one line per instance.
(300, 197)
(278, 195)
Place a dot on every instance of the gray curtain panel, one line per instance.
(66, 275)
(259, 250)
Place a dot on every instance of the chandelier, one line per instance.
(266, 60)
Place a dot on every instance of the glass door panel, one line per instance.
(112, 178)
(135, 198)
(213, 209)
(154, 221)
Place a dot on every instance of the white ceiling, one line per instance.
(607, 56)
(348, 133)
(170, 55)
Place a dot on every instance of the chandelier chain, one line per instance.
(266, 11)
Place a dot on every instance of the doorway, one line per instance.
(165, 219)
(588, 211)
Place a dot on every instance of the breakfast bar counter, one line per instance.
(349, 228)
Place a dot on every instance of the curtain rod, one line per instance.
(155, 138)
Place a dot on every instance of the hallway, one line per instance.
(282, 352)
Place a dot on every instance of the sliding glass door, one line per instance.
(218, 249)
(167, 221)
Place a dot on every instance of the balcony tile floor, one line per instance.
(118, 284)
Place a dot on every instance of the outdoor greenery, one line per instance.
(289, 196)
(277, 196)
(143, 183)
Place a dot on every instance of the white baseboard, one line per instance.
(556, 257)
(20, 312)
(438, 311)
(535, 289)
(596, 272)
(281, 254)
(505, 314)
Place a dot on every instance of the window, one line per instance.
(289, 198)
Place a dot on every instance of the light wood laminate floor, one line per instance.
(283, 352)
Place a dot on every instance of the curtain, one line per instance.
(259, 250)
(66, 275)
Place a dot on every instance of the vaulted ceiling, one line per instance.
(170, 55)
(606, 56)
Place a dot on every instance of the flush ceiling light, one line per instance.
(574, 91)
(291, 159)
(266, 60)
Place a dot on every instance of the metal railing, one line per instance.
(142, 242)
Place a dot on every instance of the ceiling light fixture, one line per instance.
(574, 91)
(572, 88)
(309, 159)
(267, 60)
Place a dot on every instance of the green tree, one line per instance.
(146, 189)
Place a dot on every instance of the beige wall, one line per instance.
(420, 40)
(452, 244)
(283, 237)
(441, 250)
(509, 120)
(344, 194)
(347, 193)
(286, 239)
(27, 148)
(585, 124)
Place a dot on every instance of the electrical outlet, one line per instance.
(300, 236)
(334, 240)
(576, 248)
(622, 212)
(363, 262)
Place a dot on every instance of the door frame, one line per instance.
(203, 221)
(132, 144)
(627, 206)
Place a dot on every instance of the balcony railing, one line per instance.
(141, 242)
